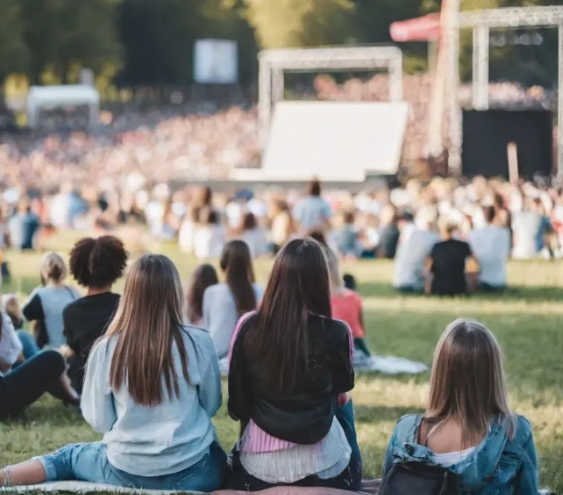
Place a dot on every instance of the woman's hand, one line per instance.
(4, 366)
(65, 351)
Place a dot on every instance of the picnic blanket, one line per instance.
(369, 487)
(388, 365)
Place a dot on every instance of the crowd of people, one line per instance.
(152, 357)
(433, 229)
(155, 355)
(186, 140)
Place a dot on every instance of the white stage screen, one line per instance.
(334, 141)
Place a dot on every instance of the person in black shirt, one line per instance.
(388, 233)
(451, 267)
(290, 371)
(95, 264)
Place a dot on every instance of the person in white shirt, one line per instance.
(491, 246)
(312, 213)
(415, 244)
(282, 225)
(254, 236)
(152, 387)
(209, 236)
(186, 236)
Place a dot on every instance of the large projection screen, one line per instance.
(334, 141)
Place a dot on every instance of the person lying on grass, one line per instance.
(152, 386)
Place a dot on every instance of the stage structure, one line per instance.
(273, 64)
(482, 22)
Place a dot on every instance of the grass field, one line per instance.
(527, 320)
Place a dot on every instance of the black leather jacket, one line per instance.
(305, 415)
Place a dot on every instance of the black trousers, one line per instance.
(29, 381)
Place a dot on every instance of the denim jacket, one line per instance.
(498, 466)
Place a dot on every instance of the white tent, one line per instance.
(62, 96)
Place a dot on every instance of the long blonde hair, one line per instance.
(147, 324)
(336, 282)
(468, 383)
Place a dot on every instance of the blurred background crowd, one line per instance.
(198, 142)
(364, 224)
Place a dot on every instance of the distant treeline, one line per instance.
(150, 42)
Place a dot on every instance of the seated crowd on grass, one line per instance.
(149, 379)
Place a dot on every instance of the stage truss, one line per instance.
(273, 64)
(481, 22)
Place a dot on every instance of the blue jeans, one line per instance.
(89, 462)
(345, 415)
(30, 347)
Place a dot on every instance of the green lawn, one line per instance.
(527, 320)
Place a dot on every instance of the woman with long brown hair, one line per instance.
(290, 371)
(468, 427)
(152, 386)
(224, 304)
(203, 277)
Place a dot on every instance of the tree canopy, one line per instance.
(151, 42)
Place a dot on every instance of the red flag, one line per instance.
(420, 29)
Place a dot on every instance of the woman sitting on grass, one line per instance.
(468, 426)
(152, 387)
(290, 371)
(204, 276)
(95, 264)
(23, 381)
(46, 304)
(451, 269)
(347, 306)
(224, 304)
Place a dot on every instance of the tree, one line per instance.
(294, 23)
(158, 41)
(14, 56)
(159, 36)
(59, 33)
(89, 37)
(227, 19)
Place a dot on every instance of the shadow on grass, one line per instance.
(51, 411)
(376, 414)
(515, 293)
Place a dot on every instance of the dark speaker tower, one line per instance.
(487, 135)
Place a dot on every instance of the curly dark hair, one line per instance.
(98, 262)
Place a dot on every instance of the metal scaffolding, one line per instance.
(482, 22)
(273, 63)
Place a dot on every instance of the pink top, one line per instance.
(347, 306)
(256, 439)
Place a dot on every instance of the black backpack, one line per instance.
(414, 478)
